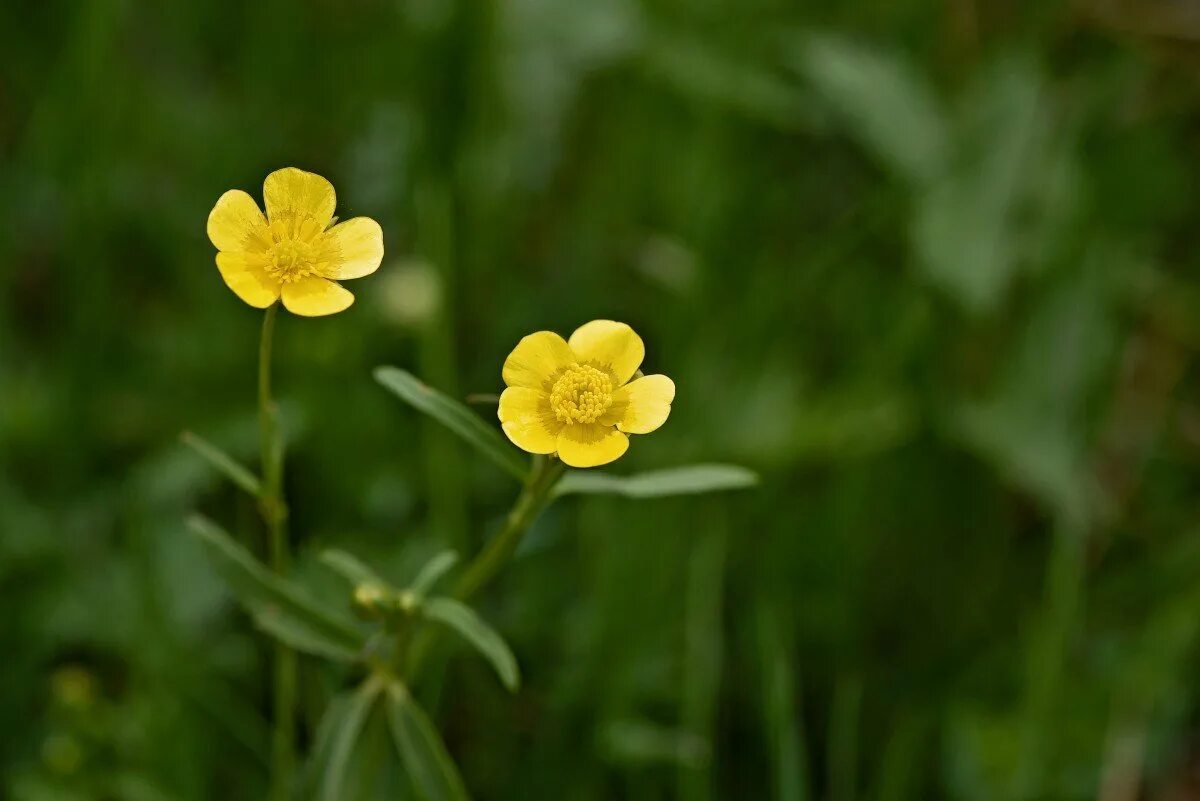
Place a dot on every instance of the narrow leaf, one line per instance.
(234, 470)
(278, 607)
(351, 568)
(690, 480)
(340, 734)
(887, 104)
(431, 770)
(483, 399)
(472, 628)
(454, 416)
(433, 570)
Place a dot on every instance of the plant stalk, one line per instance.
(283, 752)
(534, 498)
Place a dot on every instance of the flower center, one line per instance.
(290, 260)
(581, 395)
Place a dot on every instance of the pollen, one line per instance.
(290, 260)
(581, 394)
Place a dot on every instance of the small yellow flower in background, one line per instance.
(74, 686)
(292, 251)
(575, 398)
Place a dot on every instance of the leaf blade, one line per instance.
(429, 766)
(278, 607)
(234, 470)
(454, 416)
(350, 567)
(433, 570)
(346, 727)
(472, 628)
(688, 480)
(887, 104)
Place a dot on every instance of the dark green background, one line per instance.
(929, 267)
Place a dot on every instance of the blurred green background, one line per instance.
(929, 267)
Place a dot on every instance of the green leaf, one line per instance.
(1007, 196)
(472, 628)
(886, 103)
(278, 607)
(433, 570)
(689, 480)
(431, 770)
(454, 416)
(340, 731)
(351, 568)
(234, 470)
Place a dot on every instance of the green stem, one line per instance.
(530, 503)
(275, 516)
(535, 497)
(1060, 620)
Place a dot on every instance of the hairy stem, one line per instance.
(275, 516)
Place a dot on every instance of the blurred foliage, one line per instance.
(929, 267)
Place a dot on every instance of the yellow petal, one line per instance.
(642, 405)
(608, 345)
(234, 221)
(528, 420)
(536, 359)
(314, 297)
(355, 248)
(590, 444)
(248, 280)
(296, 198)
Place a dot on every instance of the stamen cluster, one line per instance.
(290, 260)
(581, 395)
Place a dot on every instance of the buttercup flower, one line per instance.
(575, 398)
(292, 251)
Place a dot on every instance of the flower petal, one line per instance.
(294, 197)
(528, 420)
(612, 346)
(314, 297)
(234, 220)
(248, 280)
(536, 359)
(590, 444)
(642, 405)
(355, 248)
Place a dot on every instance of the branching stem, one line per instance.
(534, 498)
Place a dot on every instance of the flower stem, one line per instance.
(275, 516)
(535, 497)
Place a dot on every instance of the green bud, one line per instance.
(370, 600)
(408, 601)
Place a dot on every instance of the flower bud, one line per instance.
(370, 601)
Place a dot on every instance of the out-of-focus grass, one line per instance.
(929, 267)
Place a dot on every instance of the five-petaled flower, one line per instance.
(575, 398)
(292, 251)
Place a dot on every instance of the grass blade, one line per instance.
(782, 721)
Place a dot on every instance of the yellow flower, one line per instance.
(575, 398)
(292, 251)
